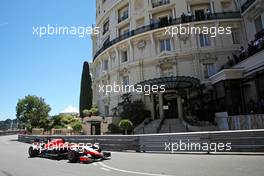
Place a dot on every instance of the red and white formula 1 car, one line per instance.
(59, 149)
(87, 154)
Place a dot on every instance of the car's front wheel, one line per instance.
(32, 152)
(73, 156)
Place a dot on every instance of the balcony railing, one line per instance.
(256, 47)
(259, 35)
(161, 24)
(246, 5)
(160, 3)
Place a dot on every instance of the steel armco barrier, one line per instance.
(4, 133)
(241, 140)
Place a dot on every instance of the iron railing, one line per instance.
(259, 35)
(246, 5)
(161, 24)
(160, 3)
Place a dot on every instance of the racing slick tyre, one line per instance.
(32, 152)
(73, 156)
(106, 155)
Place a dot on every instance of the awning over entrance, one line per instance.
(173, 82)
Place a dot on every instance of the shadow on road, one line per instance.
(14, 140)
(6, 173)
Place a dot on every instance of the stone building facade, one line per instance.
(133, 47)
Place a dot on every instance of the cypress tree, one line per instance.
(86, 89)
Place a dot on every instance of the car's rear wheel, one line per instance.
(32, 152)
(73, 156)
(107, 154)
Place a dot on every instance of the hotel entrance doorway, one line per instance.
(170, 105)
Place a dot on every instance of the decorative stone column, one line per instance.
(173, 13)
(180, 110)
(188, 7)
(153, 45)
(109, 61)
(174, 67)
(161, 111)
(212, 7)
(131, 51)
(216, 6)
(118, 63)
(152, 106)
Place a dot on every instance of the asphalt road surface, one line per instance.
(14, 161)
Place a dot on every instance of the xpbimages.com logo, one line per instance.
(116, 88)
(186, 29)
(79, 31)
(51, 146)
(197, 147)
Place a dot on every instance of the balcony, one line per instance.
(158, 25)
(159, 3)
(251, 59)
(246, 5)
(260, 34)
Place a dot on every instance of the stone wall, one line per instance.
(104, 123)
(244, 122)
(37, 131)
(239, 122)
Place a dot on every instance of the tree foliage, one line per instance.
(94, 111)
(76, 126)
(33, 112)
(114, 129)
(86, 113)
(66, 121)
(8, 124)
(91, 112)
(86, 89)
(126, 125)
(133, 110)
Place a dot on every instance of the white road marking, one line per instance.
(105, 169)
(132, 172)
(95, 164)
